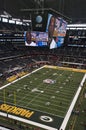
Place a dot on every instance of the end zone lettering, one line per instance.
(16, 110)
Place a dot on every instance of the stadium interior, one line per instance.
(64, 48)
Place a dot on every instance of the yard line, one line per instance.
(27, 94)
(20, 78)
(68, 90)
(66, 94)
(39, 93)
(34, 109)
(50, 104)
(57, 97)
(48, 108)
(55, 101)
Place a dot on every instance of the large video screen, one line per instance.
(35, 38)
(56, 28)
(52, 36)
(60, 27)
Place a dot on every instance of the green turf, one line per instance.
(63, 91)
(78, 121)
(55, 99)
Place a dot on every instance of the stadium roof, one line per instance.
(74, 9)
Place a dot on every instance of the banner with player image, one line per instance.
(56, 28)
(35, 38)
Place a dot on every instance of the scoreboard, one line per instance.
(76, 37)
(12, 37)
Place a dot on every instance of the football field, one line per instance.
(43, 96)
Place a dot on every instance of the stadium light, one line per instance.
(4, 20)
(71, 28)
(19, 22)
(11, 21)
(76, 25)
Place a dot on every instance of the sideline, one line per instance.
(27, 121)
(20, 78)
(65, 68)
(66, 119)
(4, 128)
